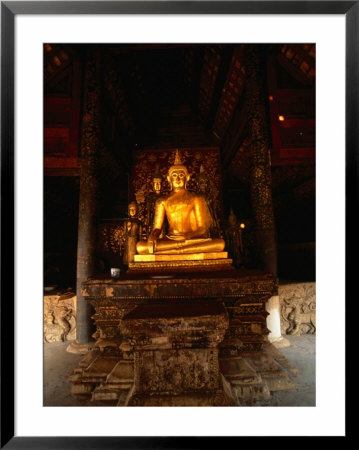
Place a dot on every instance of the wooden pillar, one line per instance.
(89, 150)
(261, 182)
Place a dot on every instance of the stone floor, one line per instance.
(301, 354)
(59, 364)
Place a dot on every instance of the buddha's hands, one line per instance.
(152, 239)
(177, 238)
(151, 244)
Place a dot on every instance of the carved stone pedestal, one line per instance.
(175, 353)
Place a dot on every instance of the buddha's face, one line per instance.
(156, 184)
(178, 179)
(132, 210)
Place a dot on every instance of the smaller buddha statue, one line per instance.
(203, 184)
(132, 233)
(233, 235)
(188, 219)
(152, 198)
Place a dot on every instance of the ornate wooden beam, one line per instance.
(236, 134)
(226, 58)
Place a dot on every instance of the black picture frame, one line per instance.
(9, 9)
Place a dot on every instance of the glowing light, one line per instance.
(57, 61)
(281, 118)
(271, 98)
(242, 225)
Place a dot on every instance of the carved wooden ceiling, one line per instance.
(183, 95)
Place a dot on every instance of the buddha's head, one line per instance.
(157, 181)
(156, 185)
(132, 210)
(178, 175)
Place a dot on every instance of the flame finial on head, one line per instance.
(178, 161)
(178, 164)
(133, 203)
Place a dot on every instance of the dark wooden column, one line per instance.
(89, 150)
(261, 181)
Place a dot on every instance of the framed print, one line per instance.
(93, 138)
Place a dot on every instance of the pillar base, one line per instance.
(273, 323)
(279, 342)
(80, 349)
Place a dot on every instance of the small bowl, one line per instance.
(115, 272)
(50, 288)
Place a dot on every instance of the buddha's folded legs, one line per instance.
(143, 248)
(171, 247)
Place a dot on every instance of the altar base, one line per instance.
(181, 339)
(182, 262)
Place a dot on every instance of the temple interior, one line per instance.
(194, 315)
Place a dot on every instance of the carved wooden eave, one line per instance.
(213, 113)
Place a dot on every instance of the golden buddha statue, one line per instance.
(152, 197)
(188, 217)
